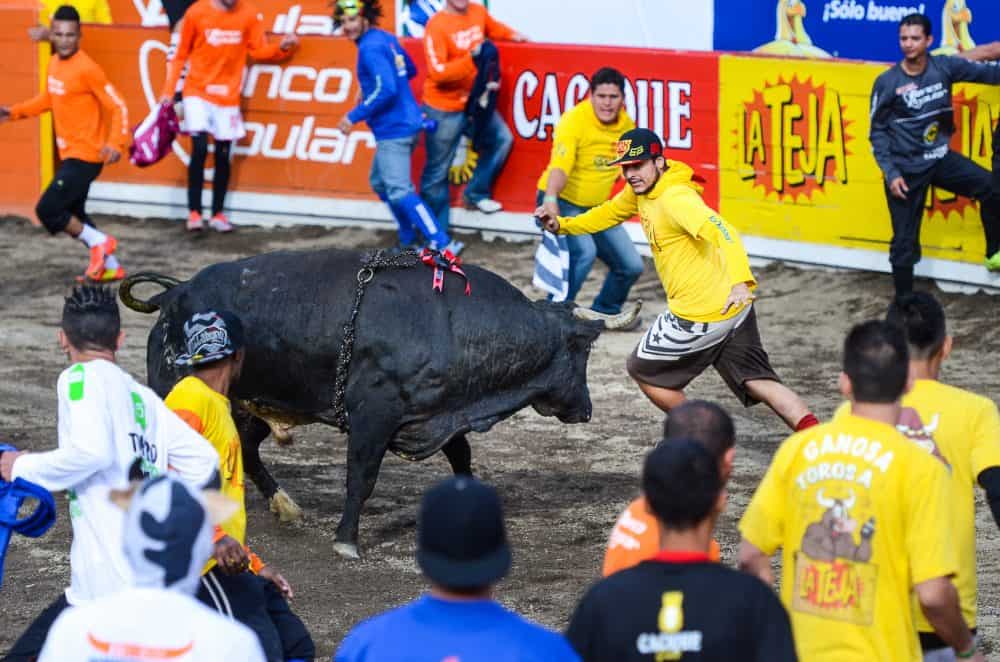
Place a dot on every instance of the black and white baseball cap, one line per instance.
(211, 336)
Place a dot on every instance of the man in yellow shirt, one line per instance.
(235, 581)
(705, 272)
(863, 517)
(960, 426)
(580, 176)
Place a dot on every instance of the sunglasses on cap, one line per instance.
(350, 7)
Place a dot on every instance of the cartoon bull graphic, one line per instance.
(832, 537)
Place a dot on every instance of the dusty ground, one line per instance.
(562, 485)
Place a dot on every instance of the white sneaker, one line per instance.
(486, 205)
(455, 246)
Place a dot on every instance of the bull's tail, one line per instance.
(152, 304)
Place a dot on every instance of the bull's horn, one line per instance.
(618, 321)
(849, 502)
(826, 503)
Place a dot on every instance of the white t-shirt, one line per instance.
(150, 625)
(106, 420)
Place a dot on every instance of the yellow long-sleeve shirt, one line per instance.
(698, 255)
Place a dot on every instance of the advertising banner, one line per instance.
(861, 29)
(290, 109)
(303, 17)
(797, 164)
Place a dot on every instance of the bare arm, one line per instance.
(939, 602)
(753, 561)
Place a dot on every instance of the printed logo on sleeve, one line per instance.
(76, 382)
(139, 410)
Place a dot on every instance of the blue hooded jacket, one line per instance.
(384, 72)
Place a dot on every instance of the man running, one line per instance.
(107, 422)
(216, 37)
(710, 319)
(864, 518)
(91, 125)
(235, 581)
(387, 105)
(911, 126)
(960, 427)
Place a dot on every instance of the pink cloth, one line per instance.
(151, 140)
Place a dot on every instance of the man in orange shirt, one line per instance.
(636, 535)
(453, 37)
(216, 38)
(91, 125)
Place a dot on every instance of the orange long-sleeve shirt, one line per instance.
(87, 110)
(448, 40)
(217, 42)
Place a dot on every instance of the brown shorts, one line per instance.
(739, 358)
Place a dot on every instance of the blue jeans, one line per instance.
(615, 249)
(390, 173)
(441, 147)
(494, 148)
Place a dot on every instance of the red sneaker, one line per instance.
(95, 269)
(220, 223)
(195, 222)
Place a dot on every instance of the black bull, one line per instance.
(427, 367)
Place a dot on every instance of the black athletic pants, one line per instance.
(29, 644)
(66, 195)
(258, 604)
(954, 173)
(196, 172)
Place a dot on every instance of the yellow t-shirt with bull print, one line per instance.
(963, 429)
(861, 514)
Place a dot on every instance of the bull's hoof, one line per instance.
(347, 550)
(282, 433)
(283, 506)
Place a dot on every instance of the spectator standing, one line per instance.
(91, 124)
(462, 550)
(451, 41)
(705, 272)
(167, 537)
(580, 176)
(959, 426)
(680, 603)
(864, 518)
(387, 105)
(106, 422)
(217, 36)
(636, 535)
(234, 581)
(911, 128)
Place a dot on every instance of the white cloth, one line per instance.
(222, 122)
(552, 266)
(148, 625)
(671, 337)
(106, 421)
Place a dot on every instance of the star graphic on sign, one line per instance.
(657, 337)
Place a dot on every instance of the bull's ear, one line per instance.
(585, 332)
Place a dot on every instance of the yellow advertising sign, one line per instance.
(796, 162)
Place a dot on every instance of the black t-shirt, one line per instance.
(700, 609)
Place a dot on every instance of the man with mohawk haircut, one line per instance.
(108, 424)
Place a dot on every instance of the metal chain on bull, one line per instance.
(373, 261)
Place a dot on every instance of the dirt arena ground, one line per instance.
(562, 486)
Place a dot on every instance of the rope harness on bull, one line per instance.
(375, 261)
